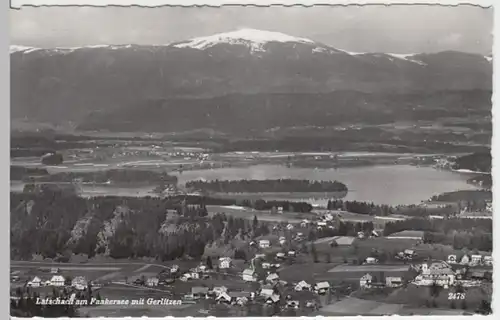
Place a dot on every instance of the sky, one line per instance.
(393, 29)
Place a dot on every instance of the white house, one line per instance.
(225, 263)
(290, 226)
(488, 261)
(371, 260)
(452, 258)
(465, 259)
(223, 297)
(266, 265)
(272, 278)
(393, 282)
(249, 275)
(219, 290)
(79, 283)
(264, 244)
(365, 281)
(292, 253)
(302, 286)
(152, 282)
(174, 269)
(282, 240)
(274, 298)
(260, 256)
(322, 287)
(266, 292)
(361, 235)
(475, 259)
(57, 281)
(186, 277)
(35, 283)
(280, 255)
(293, 304)
(304, 223)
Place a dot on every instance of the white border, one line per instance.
(152, 3)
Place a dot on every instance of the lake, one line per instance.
(390, 184)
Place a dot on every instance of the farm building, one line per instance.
(264, 244)
(475, 259)
(225, 263)
(152, 282)
(488, 261)
(79, 283)
(35, 283)
(302, 285)
(273, 299)
(57, 281)
(322, 287)
(249, 275)
(272, 278)
(407, 234)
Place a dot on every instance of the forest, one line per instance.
(258, 186)
(472, 234)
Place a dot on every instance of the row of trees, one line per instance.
(370, 208)
(257, 186)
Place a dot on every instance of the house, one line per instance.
(152, 282)
(289, 226)
(361, 235)
(199, 292)
(219, 290)
(280, 209)
(376, 233)
(174, 269)
(35, 283)
(195, 275)
(280, 255)
(275, 265)
(393, 282)
(266, 265)
(304, 223)
(365, 281)
(57, 281)
(266, 291)
(465, 259)
(291, 253)
(282, 240)
(302, 286)
(264, 244)
(436, 273)
(321, 224)
(322, 287)
(272, 278)
(452, 258)
(475, 259)
(223, 297)
(186, 277)
(239, 297)
(409, 253)
(225, 263)
(79, 283)
(260, 256)
(249, 275)
(488, 261)
(273, 299)
(371, 260)
(293, 304)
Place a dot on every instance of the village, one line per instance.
(286, 272)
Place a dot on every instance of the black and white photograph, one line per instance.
(251, 161)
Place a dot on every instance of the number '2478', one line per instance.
(456, 296)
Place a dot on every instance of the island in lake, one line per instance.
(265, 186)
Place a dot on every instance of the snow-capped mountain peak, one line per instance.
(253, 38)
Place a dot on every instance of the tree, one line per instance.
(314, 253)
(209, 263)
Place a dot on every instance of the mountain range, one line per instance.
(226, 79)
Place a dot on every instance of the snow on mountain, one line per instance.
(254, 39)
(16, 48)
(407, 57)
